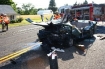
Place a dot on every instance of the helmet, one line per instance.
(4, 14)
(56, 12)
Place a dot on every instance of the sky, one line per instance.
(45, 3)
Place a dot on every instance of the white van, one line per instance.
(42, 12)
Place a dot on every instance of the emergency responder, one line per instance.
(5, 21)
(61, 14)
(1, 16)
(42, 17)
(57, 15)
(1, 22)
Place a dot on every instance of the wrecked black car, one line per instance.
(63, 35)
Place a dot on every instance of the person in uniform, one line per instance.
(4, 21)
(1, 21)
(42, 17)
(57, 15)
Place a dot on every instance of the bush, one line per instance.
(13, 21)
(18, 20)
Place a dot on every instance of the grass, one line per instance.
(18, 24)
(35, 18)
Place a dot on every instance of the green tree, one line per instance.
(40, 9)
(52, 5)
(19, 10)
(14, 6)
(29, 9)
(85, 2)
(33, 11)
(8, 2)
(75, 4)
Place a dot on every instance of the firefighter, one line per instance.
(5, 21)
(75, 19)
(42, 17)
(61, 14)
(1, 16)
(1, 22)
(57, 15)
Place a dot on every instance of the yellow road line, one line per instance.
(13, 55)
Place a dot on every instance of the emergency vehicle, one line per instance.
(88, 11)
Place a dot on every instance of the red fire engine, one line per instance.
(89, 11)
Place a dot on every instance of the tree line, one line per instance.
(28, 9)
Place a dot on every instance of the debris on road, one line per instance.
(81, 47)
(102, 38)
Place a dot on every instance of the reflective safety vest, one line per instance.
(75, 19)
(1, 18)
(6, 20)
(57, 16)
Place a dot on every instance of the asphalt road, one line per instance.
(21, 37)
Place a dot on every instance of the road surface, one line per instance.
(21, 37)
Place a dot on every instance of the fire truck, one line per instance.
(88, 11)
